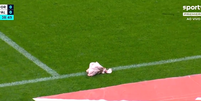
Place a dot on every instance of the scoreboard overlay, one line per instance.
(6, 12)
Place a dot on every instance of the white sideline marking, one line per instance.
(28, 55)
(114, 68)
(198, 98)
(45, 99)
(157, 62)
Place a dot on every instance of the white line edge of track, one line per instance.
(198, 98)
(114, 68)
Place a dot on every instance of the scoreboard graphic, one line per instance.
(6, 12)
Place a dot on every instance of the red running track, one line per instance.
(169, 89)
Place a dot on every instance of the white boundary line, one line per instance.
(198, 98)
(157, 62)
(114, 68)
(28, 55)
(46, 99)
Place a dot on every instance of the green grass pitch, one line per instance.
(67, 35)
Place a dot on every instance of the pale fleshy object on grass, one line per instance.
(96, 68)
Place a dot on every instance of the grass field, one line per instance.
(67, 35)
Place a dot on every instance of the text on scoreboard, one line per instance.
(6, 12)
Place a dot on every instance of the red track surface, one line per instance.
(169, 89)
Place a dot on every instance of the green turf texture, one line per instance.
(15, 67)
(69, 34)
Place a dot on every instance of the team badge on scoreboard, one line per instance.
(6, 12)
